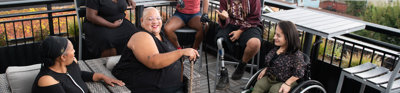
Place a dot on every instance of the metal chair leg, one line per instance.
(200, 62)
(362, 88)
(339, 87)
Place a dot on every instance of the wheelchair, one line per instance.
(306, 84)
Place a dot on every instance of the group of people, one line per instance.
(150, 53)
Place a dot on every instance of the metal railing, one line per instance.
(20, 33)
(343, 53)
(351, 47)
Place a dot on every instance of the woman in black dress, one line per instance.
(106, 27)
(149, 64)
(60, 72)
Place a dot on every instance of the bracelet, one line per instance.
(286, 84)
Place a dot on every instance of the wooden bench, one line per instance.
(376, 77)
(94, 87)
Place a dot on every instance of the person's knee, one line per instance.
(168, 28)
(275, 88)
(262, 85)
(253, 43)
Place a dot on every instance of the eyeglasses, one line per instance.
(153, 19)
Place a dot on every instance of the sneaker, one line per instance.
(223, 82)
(239, 71)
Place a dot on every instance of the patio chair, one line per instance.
(379, 78)
(305, 84)
(185, 32)
(186, 37)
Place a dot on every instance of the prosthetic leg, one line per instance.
(223, 81)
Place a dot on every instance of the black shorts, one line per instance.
(253, 32)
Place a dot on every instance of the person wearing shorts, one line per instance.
(188, 15)
(239, 24)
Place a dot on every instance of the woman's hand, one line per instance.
(284, 88)
(116, 23)
(222, 15)
(132, 4)
(235, 35)
(111, 81)
(192, 53)
(262, 73)
(108, 80)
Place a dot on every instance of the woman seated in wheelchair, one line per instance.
(284, 63)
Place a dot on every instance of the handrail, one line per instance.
(35, 13)
(26, 2)
(373, 41)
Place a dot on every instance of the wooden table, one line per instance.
(316, 23)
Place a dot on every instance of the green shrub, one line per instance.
(357, 57)
(386, 14)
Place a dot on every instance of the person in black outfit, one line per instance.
(106, 27)
(149, 63)
(60, 72)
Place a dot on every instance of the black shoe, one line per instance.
(223, 82)
(239, 71)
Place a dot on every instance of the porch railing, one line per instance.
(19, 38)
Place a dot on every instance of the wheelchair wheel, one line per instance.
(252, 80)
(309, 86)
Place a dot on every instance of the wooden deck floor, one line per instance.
(235, 85)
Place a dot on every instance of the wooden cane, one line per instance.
(191, 76)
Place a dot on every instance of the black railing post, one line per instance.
(5, 33)
(138, 14)
(351, 55)
(50, 18)
(307, 43)
(316, 49)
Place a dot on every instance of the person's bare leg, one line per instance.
(198, 26)
(252, 47)
(109, 52)
(170, 27)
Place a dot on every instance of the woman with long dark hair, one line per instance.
(284, 63)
